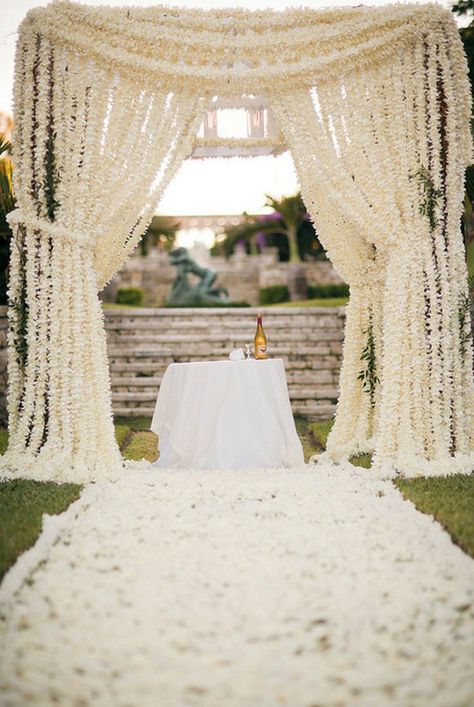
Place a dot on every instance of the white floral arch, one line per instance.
(374, 104)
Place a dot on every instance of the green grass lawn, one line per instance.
(122, 435)
(314, 436)
(143, 445)
(22, 503)
(114, 305)
(135, 424)
(319, 302)
(450, 500)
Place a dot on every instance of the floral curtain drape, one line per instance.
(381, 154)
(94, 151)
(374, 105)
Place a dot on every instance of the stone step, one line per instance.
(310, 376)
(319, 392)
(206, 350)
(233, 338)
(152, 324)
(120, 411)
(136, 382)
(227, 318)
(314, 411)
(217, 312)
(156, 365)
(136, 370)
(307, 378)
(322, 392)
(143, 342)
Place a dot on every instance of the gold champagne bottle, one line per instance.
(260, 341)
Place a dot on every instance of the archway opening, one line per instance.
(375, 109)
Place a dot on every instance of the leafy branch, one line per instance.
(465, 333)
(51, 173)
(5, 146)
(20, 304)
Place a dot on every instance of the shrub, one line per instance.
(193, 305)
(131, 296)
(322, 291)
(273, 294)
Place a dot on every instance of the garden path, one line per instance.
(262, 588)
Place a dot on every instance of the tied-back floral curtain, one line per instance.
(381, 153)
(94, 150)
(374, 105)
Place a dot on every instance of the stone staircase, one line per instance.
(143, 342)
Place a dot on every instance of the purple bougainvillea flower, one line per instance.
(269, 217)
(260, 239)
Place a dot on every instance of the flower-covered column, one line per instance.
(337, 212)
(427, 394)
(94, 149)
(60, 416)
(380, 154)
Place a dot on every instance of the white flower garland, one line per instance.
(374, 104)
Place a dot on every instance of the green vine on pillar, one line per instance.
(20, 304)
(368, 375)
(51, 174)
(430, 196)
(465, 333)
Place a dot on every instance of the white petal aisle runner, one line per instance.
(242, 589)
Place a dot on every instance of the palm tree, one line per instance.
(288, 217)
(292, 214)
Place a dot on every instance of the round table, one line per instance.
(226, 415)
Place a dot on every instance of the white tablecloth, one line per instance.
(226, 415)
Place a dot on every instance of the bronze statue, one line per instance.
(186, 294)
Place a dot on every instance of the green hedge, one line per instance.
(132, 296)
(193, 305)
(323, 291)
(273, 294)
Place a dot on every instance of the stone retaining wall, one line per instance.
(142, 342)
(242, 275)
